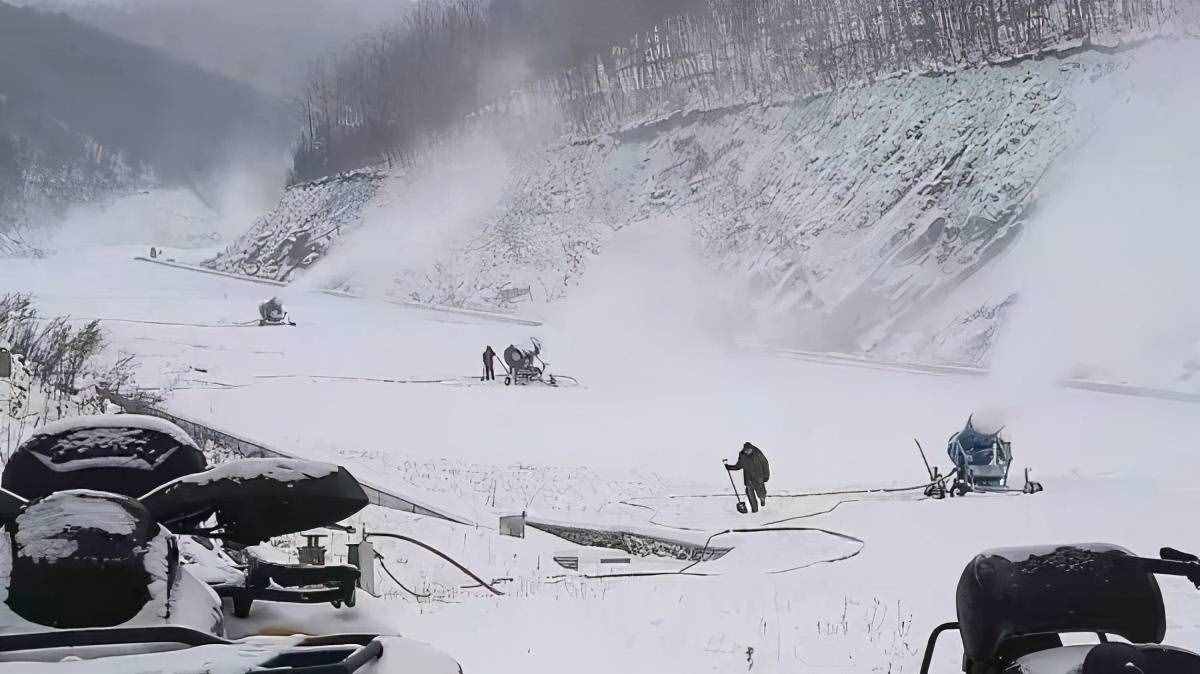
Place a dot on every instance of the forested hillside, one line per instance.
(519, 63)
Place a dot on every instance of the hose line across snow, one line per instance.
(439, 553)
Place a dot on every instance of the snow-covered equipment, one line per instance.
(99, 571)
(1014, 604)
(128, 455)
(982, 461)
(741, 505)
(271, 313)
(512, 525)
(526, 365)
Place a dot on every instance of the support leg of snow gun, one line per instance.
(741, 505)
(928, 470)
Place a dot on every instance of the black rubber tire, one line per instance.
(508, 381)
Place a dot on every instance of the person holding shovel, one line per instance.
(755, 473)
(489, 368)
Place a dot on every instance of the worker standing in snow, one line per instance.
(489, 368)
(755, 473)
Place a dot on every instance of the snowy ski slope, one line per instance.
(393, 394)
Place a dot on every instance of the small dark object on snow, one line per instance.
(756, 471)
(1014, 603)
(271, 313)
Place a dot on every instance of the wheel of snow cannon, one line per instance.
(960, 488)
(508, 381)
(336, 604)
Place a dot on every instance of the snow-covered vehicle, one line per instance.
(982, 461)
(122, 543)
(1014, 605)
(526, 365)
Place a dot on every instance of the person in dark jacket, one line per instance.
(489, 368)
(755, 473)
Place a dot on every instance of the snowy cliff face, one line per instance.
(296, 233)
(843, 221)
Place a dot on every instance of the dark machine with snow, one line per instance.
(1014, 605)
(981, 459)
(271, 313)
(526, 365)
(122, 541)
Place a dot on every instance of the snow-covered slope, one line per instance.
(845, 221)
(638, 444)
(296, 233)
(883, 194)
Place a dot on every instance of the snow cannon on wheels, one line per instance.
(1014, 605)
(271, 313)
(121, 542)
(523, 366)
(982, 461)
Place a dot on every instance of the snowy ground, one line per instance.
(654, 414)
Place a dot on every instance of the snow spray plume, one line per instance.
(219, 205)
(1110, 275)
(419, 222)
(652, 296)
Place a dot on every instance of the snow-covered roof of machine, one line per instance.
(116, 421)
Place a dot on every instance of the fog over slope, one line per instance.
(86, 117)
(877, 219)
(266, 43)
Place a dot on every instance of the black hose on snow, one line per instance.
(439, 553)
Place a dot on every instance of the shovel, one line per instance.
(741, 506)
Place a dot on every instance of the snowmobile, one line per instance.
(982, 461)
(523, 366)
(1014, 604)
(122, 542)
(271, 313)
